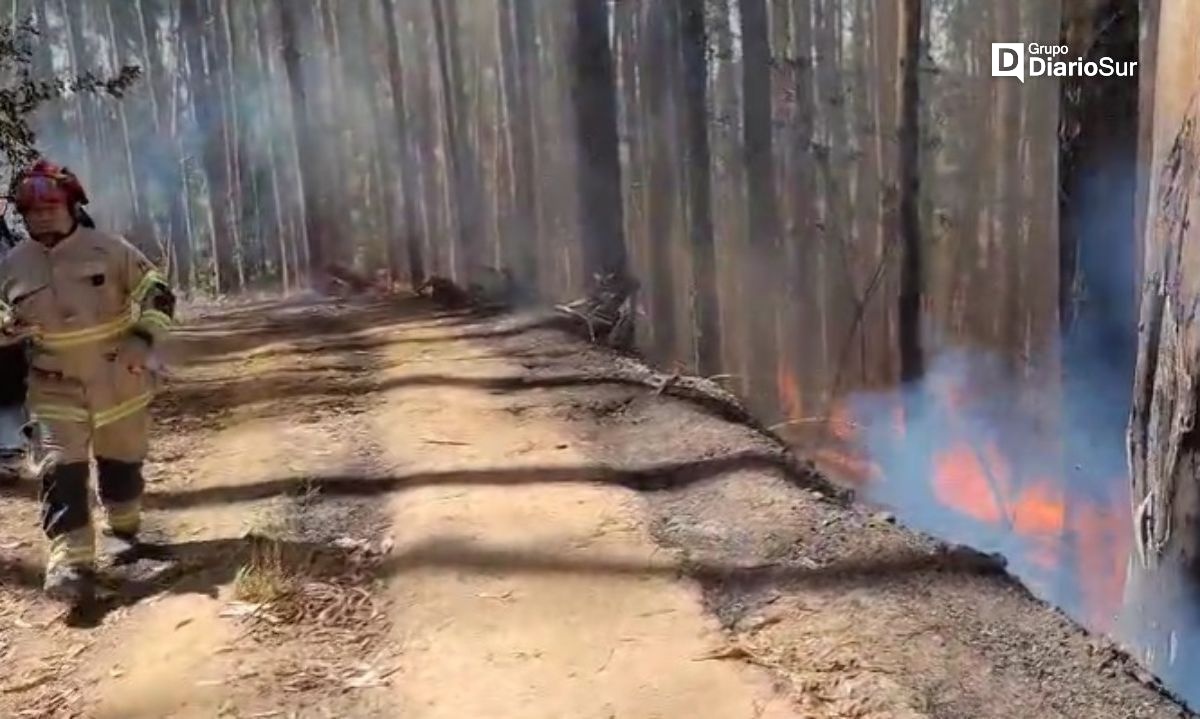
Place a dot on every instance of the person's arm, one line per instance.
(150, 295)
(12, 331)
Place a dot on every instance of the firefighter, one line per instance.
(93, 309)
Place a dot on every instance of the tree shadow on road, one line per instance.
(192, 567)
(203, 567)
(344, 339)
(215, 338)
(649, 478)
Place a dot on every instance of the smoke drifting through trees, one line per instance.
(754, 164)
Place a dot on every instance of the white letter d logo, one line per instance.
(1008, 60)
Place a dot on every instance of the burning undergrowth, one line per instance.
(1025, 461)
(978, 455)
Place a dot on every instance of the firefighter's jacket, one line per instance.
(87, 304)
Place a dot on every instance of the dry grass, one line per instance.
(318, 608)
(267, 576)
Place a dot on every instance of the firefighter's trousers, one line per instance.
(77, 422)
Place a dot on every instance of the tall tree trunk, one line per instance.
(515, 61)
(427, 138)
(1147, 71)
(659, 21)
(595, 99)
(308, 153)
(263, 68)
(763, 222)
(383, 163)
(153, 69)
(43, 63)
(285, 153)
(528, 133)
(704, 260)
(73, 15)
(166, 146)
(409, 182)
(1009, 200)
(462, 169)
(912, 363)
(177, 113)
(864, 206)
(1164, 450)
(221, 75)
(340, 132)
(207, 108)
(126, 147)
(887, 61)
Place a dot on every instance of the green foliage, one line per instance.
(21, 93)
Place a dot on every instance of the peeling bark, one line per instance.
(1163, 445)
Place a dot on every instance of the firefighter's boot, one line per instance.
(70, 584)
(121, 485)
(66, 520)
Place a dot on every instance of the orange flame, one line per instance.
(1039, 509)
(1104, 538)
(841, 424)
(977, 480)
(962, 482)
(789, 393)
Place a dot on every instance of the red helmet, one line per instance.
(45, 184)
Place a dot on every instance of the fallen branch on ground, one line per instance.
(714, 398)
(607, 313)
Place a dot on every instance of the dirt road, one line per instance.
(381, 511)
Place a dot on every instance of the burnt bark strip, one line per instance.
(695, 66)
(595, 98)
(912, 361)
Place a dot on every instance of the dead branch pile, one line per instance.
(346, 279)
(491, 288)
(444, 293)
(608, 312)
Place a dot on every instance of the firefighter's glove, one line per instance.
(12, 330)
(137, 354)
